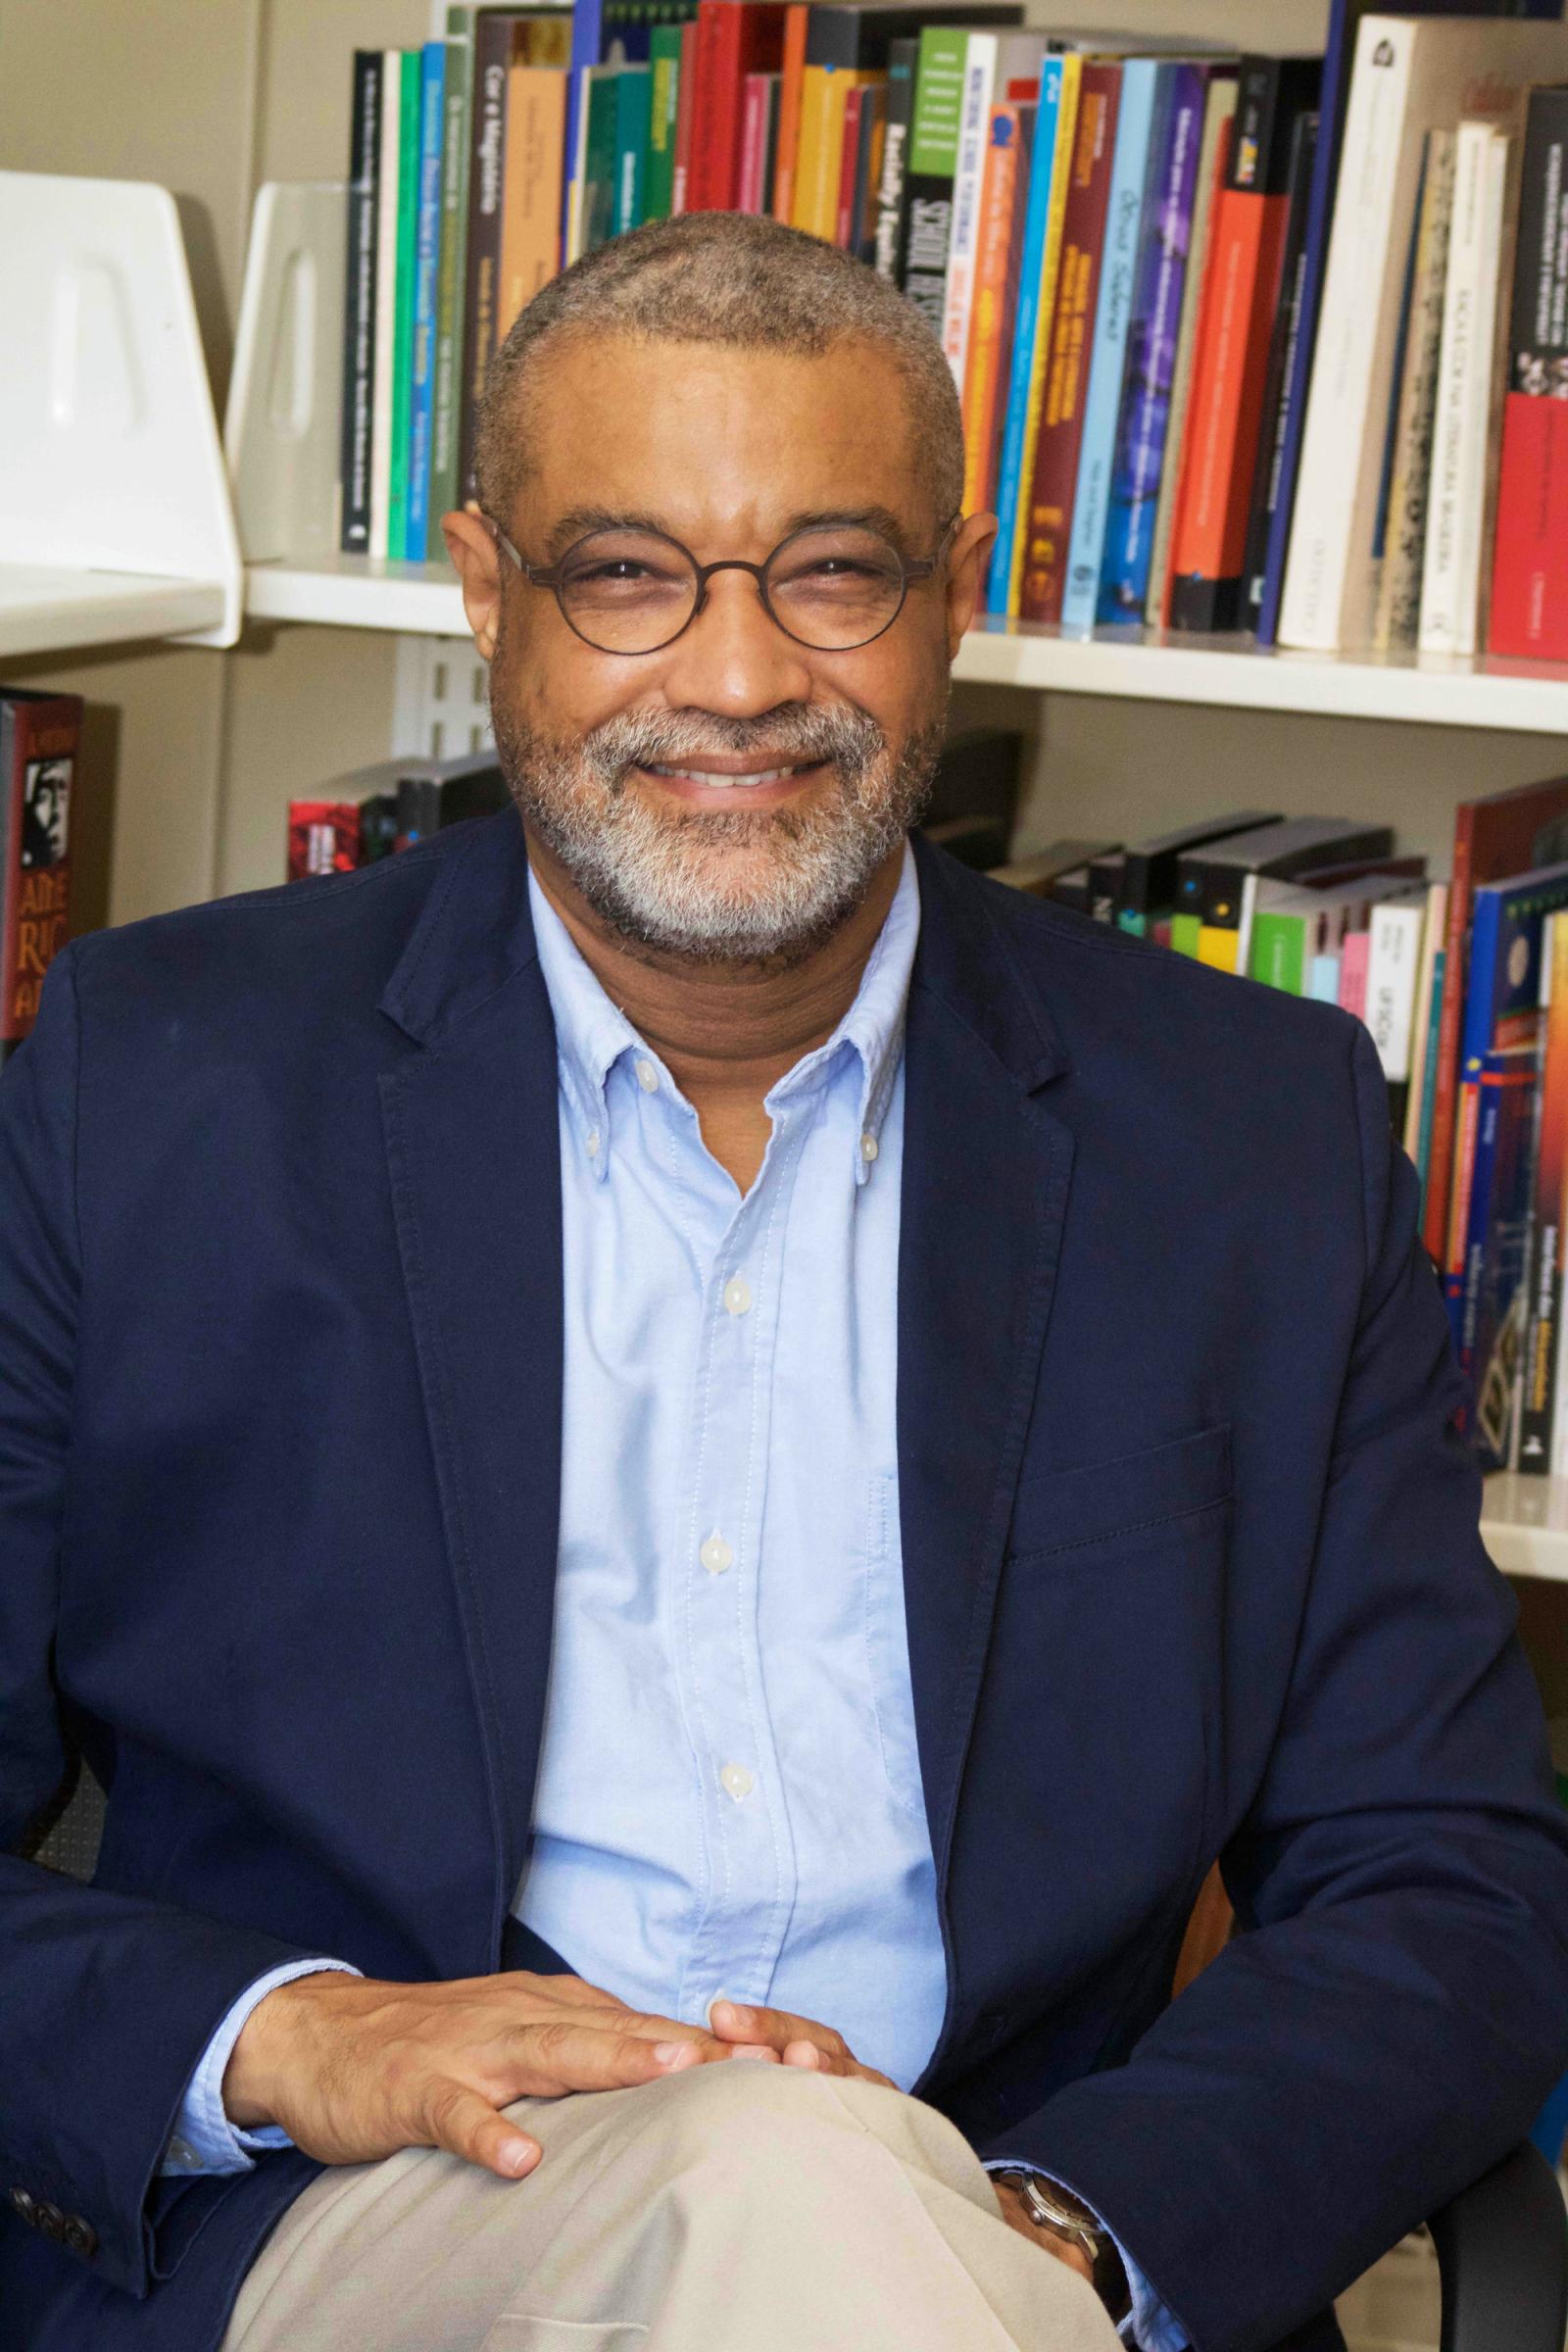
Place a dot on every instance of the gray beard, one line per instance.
(669, 885)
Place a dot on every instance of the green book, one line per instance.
(446, 415)
(599, 157)
(633, 100)
(403, 308)
(1279, 952)
(1184, 930)
(659, 182)
(926, 207)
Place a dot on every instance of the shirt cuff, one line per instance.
(203, 2140)
(1150, 2326)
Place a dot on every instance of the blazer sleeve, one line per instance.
(1393, 2009)
(105, 2001)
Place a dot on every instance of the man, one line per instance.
(688, 1403)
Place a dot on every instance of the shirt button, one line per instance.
(737, 1294)
(591, 1141)
(868, 1146)
(647, 1077)
(717, 1555)
(736, 1782)
(181, 2152)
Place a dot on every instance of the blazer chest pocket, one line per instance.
(1066, 1514)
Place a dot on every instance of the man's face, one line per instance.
(622, 763)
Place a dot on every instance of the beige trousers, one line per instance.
(737, 2207)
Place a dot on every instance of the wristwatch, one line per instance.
(1053, 2207)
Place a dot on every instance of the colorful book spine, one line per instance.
(1268, 474)
(1451, 578)
(359, 309)
(756, 101)
(933, 162)
(1037, 288)
(844, 230)
(1141, 440)
(1404, 528)
(1353, 956)
(902, 60)
(445, 417)
(1145, 96)
(1048, 516)
(1489, 1338)
(40, 738)
(386, 299)
(1427, 1012)
(426, 261)
(597, 204)
(1529, 573)
(1008, 150)
(397, 519)
(492, 50)
(792, 72)
(968, 181)
(633, 119)
(685, 119)
(1538, 1386)
(663, 55)
(1213, 166)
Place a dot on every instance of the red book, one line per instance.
(323, 838)
(40, 736)
(796, 17)
(844, 233)
(734, 39)
(1506, 833)
(685, 117)
(1230, 372)
(1048, 519)
(996, 284)
(750, 196)
(1530, 569)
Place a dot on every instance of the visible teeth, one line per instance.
(697, 775)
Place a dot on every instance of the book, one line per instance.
(1394, 962)
(685, 119)
(759, 112)
(1046, 521)
(1428, 1006)
(898, 113)
(1354, 948)
(1503, 833)
(533, 162)
(1529, 616)
(1214, 166)
(1400, 555)
(1492, 1311)
(1341, 46)
(358, 307)
(323, 838)
(408, 241)
(1269, 471)
(1150, 867)
(1209, 880)
(595, 219)
(588, 50)
(864, 118)
(40, 742)
(963, 240)
(1451, 562)
(934, 135)
(487, 126)
(1157, 308)
(1007, 155)
(1411, 74)
(446, 406)
(426, 261)
(792, 76)
(1550, 1196)
(734, 39)
(633, 118)
(1045, 216)
(388, 162)
(1224, 423)
(1145, 93)
(663, 51)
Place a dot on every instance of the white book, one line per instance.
(386, 294)
(1392, 967)
(1456, 495)
(1432, 939)
(1411, 76)
(974, 125)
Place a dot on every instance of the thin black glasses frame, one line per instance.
(551, 575)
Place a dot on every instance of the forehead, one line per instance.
(716, 441)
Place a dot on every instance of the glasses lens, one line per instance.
(835, 588)
(627, 591)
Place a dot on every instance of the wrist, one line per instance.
(1056, 2214)
(267, 2046)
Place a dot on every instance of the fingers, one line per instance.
(798, 2041)
(545, 2061)
(460, 2121)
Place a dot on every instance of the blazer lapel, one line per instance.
(472, 1145)
(986, 1171)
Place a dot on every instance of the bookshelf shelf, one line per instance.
(1524, 1525)
(115, 514)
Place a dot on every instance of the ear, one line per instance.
(471, 545)
(967, 558)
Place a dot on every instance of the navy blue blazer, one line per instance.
(1190, 1547)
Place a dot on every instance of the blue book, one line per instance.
(1145, 91)
(1144, 420)
(428, 259)
(1345, 18)
(1494, 1242)
(1028, 328)
(587, 40)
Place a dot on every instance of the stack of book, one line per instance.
(41, 741)
(1463, 983)
(1259, 344)
(389, 805)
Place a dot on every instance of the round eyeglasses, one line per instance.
(832, 586)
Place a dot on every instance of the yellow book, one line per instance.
(1217, 945)
(820, 152)
(1051, 271)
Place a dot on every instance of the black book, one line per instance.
(1268, 480)
(1149, 870)
(1208, 882)
(359, 304)
(888, 257)
(492, 55)
(1106, 885)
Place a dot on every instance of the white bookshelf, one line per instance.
(1524, 1525)
(115, 515)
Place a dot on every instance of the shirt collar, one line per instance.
(591, 1033)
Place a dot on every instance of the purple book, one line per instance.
(1143, 424)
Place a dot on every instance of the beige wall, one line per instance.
(194, 754)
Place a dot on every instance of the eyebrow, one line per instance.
(578, 522)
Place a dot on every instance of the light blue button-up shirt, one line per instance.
(728, 1801)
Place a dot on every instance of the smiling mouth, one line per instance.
(720, 780)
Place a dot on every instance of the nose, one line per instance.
(733, 659)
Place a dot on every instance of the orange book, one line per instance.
(824, 94)
(530, 205)
(996, 286)
(789, 110)
(1183, 454)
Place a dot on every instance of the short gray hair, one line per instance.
(731, 278)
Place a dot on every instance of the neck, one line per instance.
(726, 1034)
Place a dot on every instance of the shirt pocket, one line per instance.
(887, 1648)
(1125, 1503)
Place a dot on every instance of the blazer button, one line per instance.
(81, 2235)
(27, 2205)
(52, 2222)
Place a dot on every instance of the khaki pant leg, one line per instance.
(731, 2208)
